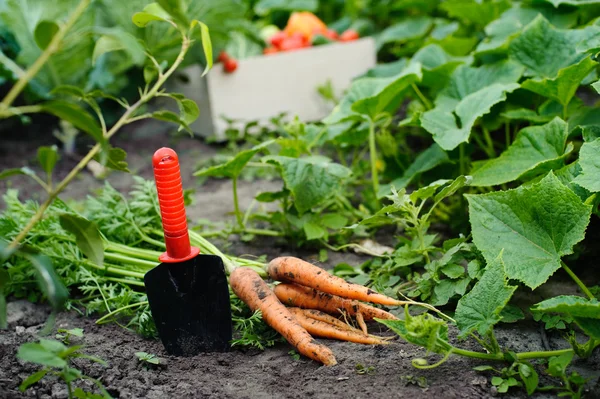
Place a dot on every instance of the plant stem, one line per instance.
(373, 156)
(236, 203)
(462, 160)
(490, 143)
(263, 232)
(507, 134)
(133, 305)
(96, 148)
(582, 286)
(53, 47)
(500, 356)
(422, 97)
(146, 264)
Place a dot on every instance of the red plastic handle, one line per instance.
(167, 175)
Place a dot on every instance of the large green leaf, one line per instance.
(589, 160)
(451, 123)
(437, 65)
(311, 180)
(264, 7)
(575, 306)
(480, 309)
(87, 236)
(475, 12)
(501, 31)
(557, 3)
(369, 97)
(234, 166)
(470, 94)
(407, 29)
(536, 149)
(535, 225)
(545, 50)
(563, 87)
(71, 64)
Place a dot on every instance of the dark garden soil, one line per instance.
(272, 373)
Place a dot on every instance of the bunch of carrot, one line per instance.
(311, 295)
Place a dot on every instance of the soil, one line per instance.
(272, 373)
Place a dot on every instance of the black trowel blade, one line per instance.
(190, 305)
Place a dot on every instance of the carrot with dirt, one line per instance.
(319, 328)
(294, 270)
(250, 288)
(310, 298)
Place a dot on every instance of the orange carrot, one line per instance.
(290, 269)
(319, 328)
(318, 315)
(251, 289)
(309, 298)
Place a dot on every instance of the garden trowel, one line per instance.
(187, 292)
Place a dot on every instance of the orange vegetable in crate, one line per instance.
(270, 50)
(230, 65)
(305, 23)
(292, 43)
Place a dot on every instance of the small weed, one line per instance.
(149, 359)
(295, 355)
(361, 369)
(65, 335)
(410, 379)
(56, 359)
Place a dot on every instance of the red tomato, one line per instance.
(349, 35)
(331, 34)
(230, 65)
(278, 38)
(292, 43)
(301, 37)
(270, 50)
(223, 56)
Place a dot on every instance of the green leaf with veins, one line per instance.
(563, 87)
(535, 150)
(567, 175)
(589, 160)
(545, 50)
(311, 180)
(535, 225)
(572, 305)
(369, 97)
(32, 22)
(87, 236)
(233, 168)
(480, 309)
(450, 123)
(423, 330)
(471, 93)
(437, 65)
(408, 29)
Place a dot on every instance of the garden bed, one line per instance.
(362, 371)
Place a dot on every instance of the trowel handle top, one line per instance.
(167, 175)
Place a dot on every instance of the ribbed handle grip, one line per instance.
(167, 175)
